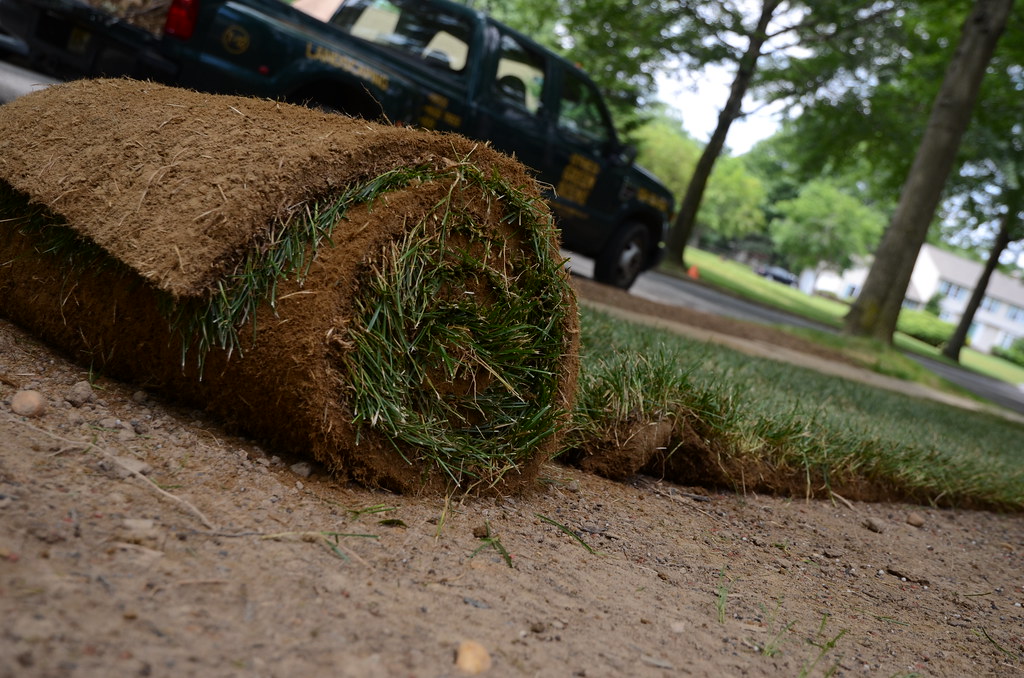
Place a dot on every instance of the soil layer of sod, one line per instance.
(386, 301)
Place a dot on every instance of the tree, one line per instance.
(734, 204)
(877, 308)
(735, 197)
(824, 227)
(686, 220)
(1008, 225)
(664, 147)
(991, 183)
(832, 27)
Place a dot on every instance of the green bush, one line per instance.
(1015, 354)
(924, 326)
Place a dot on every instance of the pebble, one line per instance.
(80, 394)
(472, 658)
(28, 403)
(875, 525)
(131, 465)
(657, 662)
(915, 519)
(303, 469)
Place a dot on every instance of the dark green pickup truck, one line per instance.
(429, 63)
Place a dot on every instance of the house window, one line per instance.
(947, 316)
(989, 304)
(951, 290)
(1006, 340)
(1015, 313)
(850, 291)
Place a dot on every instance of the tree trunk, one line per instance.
(877, 308)
(687, 218)
(959, 338)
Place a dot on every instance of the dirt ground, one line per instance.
(138, 538)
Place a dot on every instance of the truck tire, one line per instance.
(624, 257)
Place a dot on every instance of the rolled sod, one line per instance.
(389, 302)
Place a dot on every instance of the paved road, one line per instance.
(15, 81)
(669, 290)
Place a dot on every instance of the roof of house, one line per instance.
(965, 273)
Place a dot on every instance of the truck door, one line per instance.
(510, 111)
(589, 180)
(425, 41)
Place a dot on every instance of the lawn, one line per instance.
(777, 427)
(740, 280)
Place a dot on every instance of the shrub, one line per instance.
(924, 326)
(1015, 354)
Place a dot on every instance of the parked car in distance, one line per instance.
(779, 274)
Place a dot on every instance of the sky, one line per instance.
(701, 100)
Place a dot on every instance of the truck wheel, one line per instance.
(624, 257)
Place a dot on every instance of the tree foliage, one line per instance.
(823, 227)
(735, 198)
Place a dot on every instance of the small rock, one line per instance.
(915, 519)
(75, 418)
(481, 531)
(109, 423)
(875, 525)
(80, 394)
(139, 397)
(28, 403)
(657, 662)
(123, 467)
(472, 658)
(139, 524)
(303, 469)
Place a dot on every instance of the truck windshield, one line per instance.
(438, 39)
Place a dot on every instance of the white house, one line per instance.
(998, 322)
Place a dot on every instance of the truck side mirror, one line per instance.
(625, 154)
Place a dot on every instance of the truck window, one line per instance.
(520, 77)
(438, 39)
(581, 112)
